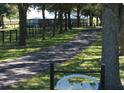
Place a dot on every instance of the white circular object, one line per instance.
(64, 84)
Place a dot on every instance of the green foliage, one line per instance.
(9, 10)
(13, 11)
(94, 9)
(3, 8)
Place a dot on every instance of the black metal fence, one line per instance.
(53, 72)
(10, 34)
(36, 30)
(8, 37)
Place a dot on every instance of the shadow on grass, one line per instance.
(40, 81)
(10, 51)
(88, 59)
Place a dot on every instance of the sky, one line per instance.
(35, 14)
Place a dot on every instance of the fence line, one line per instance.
(10, 36)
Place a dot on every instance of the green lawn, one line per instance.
(10, 51)
(34, 44)
(88, 59)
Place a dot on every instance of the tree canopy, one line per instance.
(9, 10)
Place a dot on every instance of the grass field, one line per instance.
(89, 59)
(34, 44)
(10, 51)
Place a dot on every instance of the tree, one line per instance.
(44, 21)
(110, 55)
(3, 11)
(7, 10)
(92, 10)
(60, 19)
(77, 8)
(98, 13)
(1, 21)
(54, 8)
(66, 19)
(55, 22)
(67, 8)
(42, 7)
(87, 10)
(121, 33)
(67, 11)
(69, 19)
(22, 7)
(12, 11)
(66, 25)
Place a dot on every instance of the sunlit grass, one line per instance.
(40, 81)
(9, 54)
(122, 68)
(34, 45)
(88, 59)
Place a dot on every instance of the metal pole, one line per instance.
(10, 37)
(16, 31)
(51, 76)
(102, 78)
(2, 37)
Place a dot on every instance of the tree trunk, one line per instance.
(87, 21)
(78, 15)
(3, 26)
(10, 20)
(100, 18)
(97, 21)
(69, 20)
(2, 21)
(22, 25)
(121, 33)
(66, 25)
(61, 22)
(110, 55)
(54, 25)
(91, 20)
(44, 22)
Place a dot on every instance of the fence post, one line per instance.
(35, 28)
(2, 37)
(102, 77)
(51, 76)
(29, 30)
(16, 35)
(10, 38)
